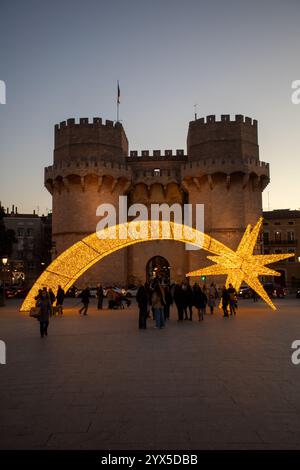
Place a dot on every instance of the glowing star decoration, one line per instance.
(242, 265)
(77, 259)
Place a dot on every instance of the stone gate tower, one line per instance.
(225, 174)
(90, 168)
(221, 170)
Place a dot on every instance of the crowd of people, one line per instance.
(154, 300)
(158, 299)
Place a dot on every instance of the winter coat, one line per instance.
(85, 296)
(60, 296)
(44, 310)
(200, 299)
(178, 295)
(142, 297)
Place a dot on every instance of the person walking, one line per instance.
(149, 293)
(254, 295)
(60, 297)
(44, 305)
(168, 302)
(204, 290)
(51, 298)
(142, 301)
(38, 297)
(232, 299)
(179, 301)
(111, 297)
(100, 296)
(185, 299)
(188, 301)
(158, 303)
(212, 297)
(85, 299)
(200, 301)
(225, 301)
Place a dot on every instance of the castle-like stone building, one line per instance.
(92, 165)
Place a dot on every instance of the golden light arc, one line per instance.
(78, 258)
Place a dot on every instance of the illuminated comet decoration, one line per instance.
(240, 265)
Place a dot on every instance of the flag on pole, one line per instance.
(119, 94)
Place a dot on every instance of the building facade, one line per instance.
(92, 165)
(281, 234)
(32, 251)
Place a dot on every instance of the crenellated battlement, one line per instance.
(96, 122)
(215, 138)
(83, 166)
(85, 138)
(157, 155)
(226, 164)
(60, 175)
(224, 119)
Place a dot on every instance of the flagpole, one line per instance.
(118, 102)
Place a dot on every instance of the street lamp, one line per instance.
(2, 295)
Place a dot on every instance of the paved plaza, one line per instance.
(97, 382)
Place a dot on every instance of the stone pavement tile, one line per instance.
(260, 404)
(210, 389)
(149, 433)
(277, 422)
(75, 420)
(120, 414)
(139, 389)
(66, 441)
(14, 416)
(240, 445)
(33, 440)
(75, 398)
(103, 439)
(224, 433)
(280, 438)
(100, 441)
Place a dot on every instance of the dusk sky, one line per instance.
(62, 59)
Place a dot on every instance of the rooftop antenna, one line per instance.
(268, 200)
(195, 111)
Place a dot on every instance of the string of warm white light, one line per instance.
(239, 266)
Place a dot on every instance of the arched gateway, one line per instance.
(158, 268)
(77, 259)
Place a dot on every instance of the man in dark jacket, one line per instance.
(45, 308)
(85, 299)
(188, 301)
(142, 300)
(225, 301)
(232, 299)
(100, 297)
(179, 300)
(168, 302)
(60, 297)
(199, 300)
